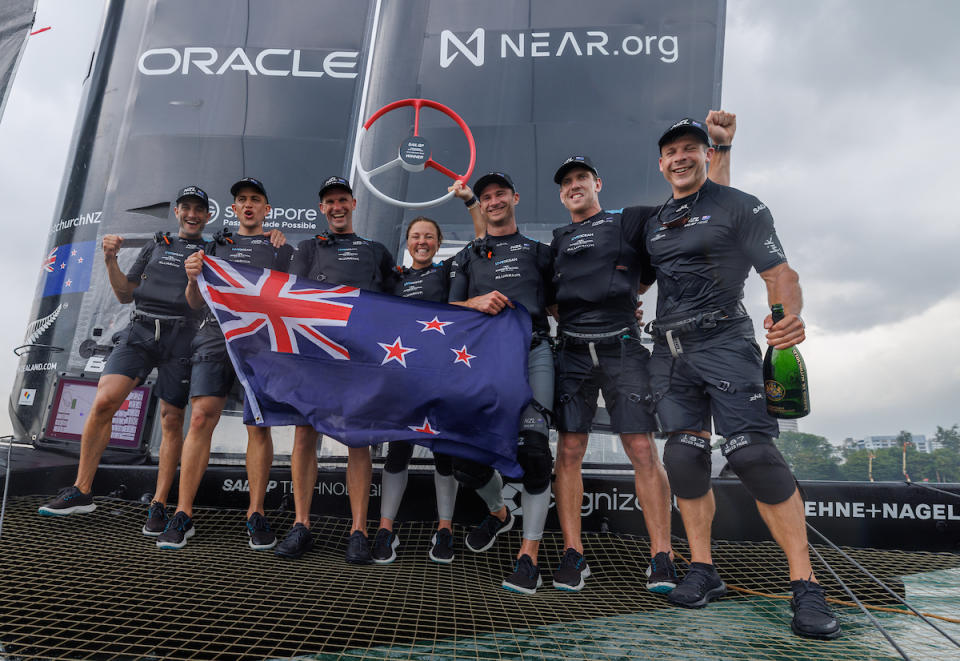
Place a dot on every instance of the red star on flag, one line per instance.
(73, 253)
(434, 325)
(395, 351)
(462, 356)
(63, 265)
(79, 260)
(425, 429)
(68, 283)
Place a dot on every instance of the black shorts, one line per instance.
(212, 373)
(722, 380)
(137, 351)
(622, 377)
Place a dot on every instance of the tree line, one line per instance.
(813, 457)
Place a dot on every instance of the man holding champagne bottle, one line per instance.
(706, 364)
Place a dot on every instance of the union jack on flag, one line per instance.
(365, 367)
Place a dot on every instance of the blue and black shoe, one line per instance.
(525, 578)
(385, 544)
(661, 574)
(572, 572)
(69, 500)
(262, 538)
(358, 549)
(297, 542)
(179, 529)
(157, 519)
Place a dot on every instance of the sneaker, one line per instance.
(572, 571)
(525, 578)
(441, 547)
(358, 549)
(812, 617)
(385, 544)
(484, 535)
(261, 536)
(69, 500)
(701, 585)
(297, 542)
(661, 574)
(177, 531)
(157, 519)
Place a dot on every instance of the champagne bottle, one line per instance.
(785, 379)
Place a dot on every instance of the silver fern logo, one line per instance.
(40, 326)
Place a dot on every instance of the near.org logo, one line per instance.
(545, 43)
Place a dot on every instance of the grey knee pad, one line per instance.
(533, 455)
(471, 474)
(534, 419)
(687, 460)
(398, 456)
(760, 466)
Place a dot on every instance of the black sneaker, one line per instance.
(484, 535)
(701, 585)
(157, 519)
(261, 536)
(385, 544)
(297, 542)
(358, 549)
(178, 530)
(69, 500)
(525, 578)
(441, 547)
(812, 617)
(572, 571)
(661, 574)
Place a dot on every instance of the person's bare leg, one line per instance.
(171, 445)
(303, 471)
(111, 391)
(697, 515)
(529, 547)
(653, 489)
(788, 527)
(359, 478)
(259, 461)
(568, 487)
(204, 415)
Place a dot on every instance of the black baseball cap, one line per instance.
(249, 182)
(685, 125)
(574, 162)
(194, 191)
(335, 182)
(501, 178)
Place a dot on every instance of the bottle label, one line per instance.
(775, 391)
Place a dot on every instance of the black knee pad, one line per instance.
(687, 460)
(535, 419)
(760, 466)
(443, 464)
(471, 474)
(533, 455)
(398, 456)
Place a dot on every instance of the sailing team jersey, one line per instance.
(702, 265)
(598, 265)
(345, 259)
(516, 266)
(428, 284)
(163, 281)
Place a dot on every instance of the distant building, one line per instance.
(789, 425)
(920, 442)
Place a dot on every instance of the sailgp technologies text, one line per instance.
(286, 486)
(265, 62)
(848, 510)
(555, 43)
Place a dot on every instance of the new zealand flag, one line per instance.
(364, 367)
(68, 268)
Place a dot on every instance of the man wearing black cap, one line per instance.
(161, 328)
(600, 264)
(337, 256)
(489, 274)
(212, 377)
(702, 243)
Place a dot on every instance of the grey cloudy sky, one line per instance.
(848, 129)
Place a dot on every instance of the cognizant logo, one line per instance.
(265, 62)
(555, 43)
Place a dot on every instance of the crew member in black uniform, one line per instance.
(336, 256)
(212, 376)
(428, 281)
(487, 275)
(600, 265)
(161, 329)
(702, 243)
